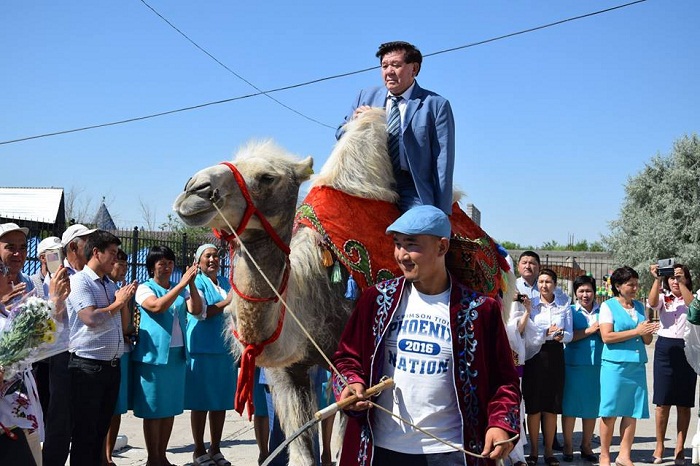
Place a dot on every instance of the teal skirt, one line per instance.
(581, 391)
(159, 390)
(210, 382)
(259, 398)
(124, 400)
(623, 390)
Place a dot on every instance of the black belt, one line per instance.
(111, 363)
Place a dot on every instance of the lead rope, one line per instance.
(335, 370)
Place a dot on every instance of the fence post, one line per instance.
(184, 252)
(134, 252)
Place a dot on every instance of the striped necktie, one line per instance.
(393, 130)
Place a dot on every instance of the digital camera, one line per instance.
(666, 267)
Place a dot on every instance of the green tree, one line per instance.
(660, 216)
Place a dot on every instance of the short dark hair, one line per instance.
(584, 280)
(101, 240)
(620, 276)
(121, 255)
(411, 54)
(155, 254)
(532, 254)
(550, 273)
(686, 273)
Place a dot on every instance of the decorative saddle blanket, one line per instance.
(353, 231)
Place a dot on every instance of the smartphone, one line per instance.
(54, 259)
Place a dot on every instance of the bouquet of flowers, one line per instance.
(28, 336)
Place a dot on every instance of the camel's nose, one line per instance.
(198, 186)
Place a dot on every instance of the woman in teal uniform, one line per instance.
(625, 330)
(159, 355)
(582, 370)
(210, 382)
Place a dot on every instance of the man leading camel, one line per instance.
(447, 350)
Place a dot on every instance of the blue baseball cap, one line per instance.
(422, 220)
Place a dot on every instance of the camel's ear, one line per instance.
(304, 169)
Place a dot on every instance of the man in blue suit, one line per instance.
(424, 160)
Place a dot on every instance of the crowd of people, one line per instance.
(119, 346)
(461, 376)
(588, 361)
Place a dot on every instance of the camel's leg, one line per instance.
(295, 404)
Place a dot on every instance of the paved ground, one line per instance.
(240, 448)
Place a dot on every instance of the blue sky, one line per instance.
(550, 124)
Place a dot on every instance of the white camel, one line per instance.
(270, 179)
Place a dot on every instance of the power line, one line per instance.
(537, 28)
(230, 70)
(313, 81)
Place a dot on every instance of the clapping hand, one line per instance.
(189, 275)
(647, 328)
(17, 290)
(593, 328)
(125, 293)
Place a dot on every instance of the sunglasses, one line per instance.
(4, 270)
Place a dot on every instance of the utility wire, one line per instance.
(231, 71)
(537, 28)
(313, 81)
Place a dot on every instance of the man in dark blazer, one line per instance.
(426, 140)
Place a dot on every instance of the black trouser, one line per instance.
(41, 376)
(384, 457)
(95, 390)
(57, 425)
(16, 451)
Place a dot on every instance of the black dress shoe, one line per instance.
(590, 457)
(568, 458)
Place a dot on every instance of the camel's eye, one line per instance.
(266, 179)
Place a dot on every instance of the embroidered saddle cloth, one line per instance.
(353, 231)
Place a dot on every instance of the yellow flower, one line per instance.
(48, 338)
(52, 325)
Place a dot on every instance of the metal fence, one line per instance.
(570, 264)
(136, 244)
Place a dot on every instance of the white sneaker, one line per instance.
(121, 443)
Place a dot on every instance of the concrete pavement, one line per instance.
(239, 445)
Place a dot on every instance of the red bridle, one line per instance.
(244, 392)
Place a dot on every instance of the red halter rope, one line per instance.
(244, 391)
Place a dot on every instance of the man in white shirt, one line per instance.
(96, 345)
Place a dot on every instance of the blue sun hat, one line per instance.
(422, 220)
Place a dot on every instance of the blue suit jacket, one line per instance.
(427, 142)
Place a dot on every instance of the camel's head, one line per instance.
(272, 178)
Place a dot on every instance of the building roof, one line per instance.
(35, 204)
(103, 220)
